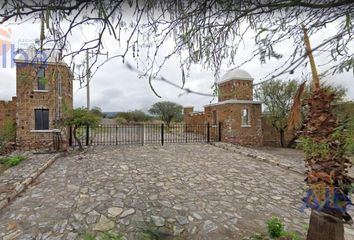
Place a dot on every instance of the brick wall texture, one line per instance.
(7, 111)
(229, 113)
(235, 89)
(56, 98)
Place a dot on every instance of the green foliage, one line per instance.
(277, 96)
(275, 227)
(12, 161)
(291, 235)
(135, 116)
(43, 80)
(276, 230)
(103, 236)
(7, 133)
(121, 120)
(81, 117)
(98, 111)
(8, 130)
(314, 149)
(345, 115)
(167, 111)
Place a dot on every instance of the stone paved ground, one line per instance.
(14, 175)
(196, 191)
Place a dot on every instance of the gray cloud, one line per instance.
(115, 88)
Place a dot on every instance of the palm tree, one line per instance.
(326, 175)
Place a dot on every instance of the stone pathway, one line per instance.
(12, 179)
(293, 164)
(193, 191)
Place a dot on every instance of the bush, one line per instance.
(291, 235)
(121, 120)
(135, 116)
(276, 231)
(12, 161)
(275, 227)
(80, 117)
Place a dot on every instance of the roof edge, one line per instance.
(235, 101)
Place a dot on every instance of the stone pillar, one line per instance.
(186, 114)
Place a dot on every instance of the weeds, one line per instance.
(12, 161)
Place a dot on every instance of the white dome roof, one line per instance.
(236, 74)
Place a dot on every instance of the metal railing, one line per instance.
(147, 133)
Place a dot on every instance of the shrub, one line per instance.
(121, 120)
(291, 235)
(134, 116)
(80, 117)
(13, 161)
(275, 227)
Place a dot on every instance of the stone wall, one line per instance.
(56, 97)
(235, 89)
(7, 111)
(7, 115)
(271, 137)
(229, 115)
(232, 130)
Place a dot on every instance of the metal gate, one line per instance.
(118, 134)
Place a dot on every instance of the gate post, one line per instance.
(116, 134)
(87, 134)
(208, 133)
(70, 136)
(185, 132)
(143, 134)
(220, 125)
(162, 134)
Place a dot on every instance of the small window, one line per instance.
(245, 118)
(41, 78)
(215, 121)
(41, 119)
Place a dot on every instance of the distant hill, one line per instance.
(111, 114)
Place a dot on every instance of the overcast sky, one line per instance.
(116, 88)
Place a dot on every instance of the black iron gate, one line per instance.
(118, 134)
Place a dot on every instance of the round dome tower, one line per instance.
(235, 84)
(236, 74)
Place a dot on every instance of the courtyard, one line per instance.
(194, 191)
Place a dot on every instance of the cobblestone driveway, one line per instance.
(195, 191)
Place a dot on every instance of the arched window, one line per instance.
(245, 117)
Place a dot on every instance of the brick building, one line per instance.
(239, 114)
(43, 92)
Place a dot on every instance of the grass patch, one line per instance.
(103, 236)
(275, 231)
(12, 161)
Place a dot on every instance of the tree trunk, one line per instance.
(324, 228)
(282, 137)
(76, 138)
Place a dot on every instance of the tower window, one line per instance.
(41, 78)
(41, 119)
(245, 117)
